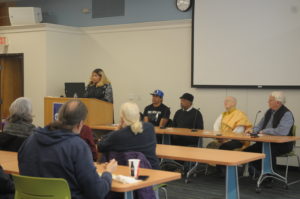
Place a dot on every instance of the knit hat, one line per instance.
(188, 97)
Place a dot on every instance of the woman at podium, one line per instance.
(99, 87)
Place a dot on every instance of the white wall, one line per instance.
(138, 58)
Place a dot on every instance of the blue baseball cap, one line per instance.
(158, 93)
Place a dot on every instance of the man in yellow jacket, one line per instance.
(232, 120)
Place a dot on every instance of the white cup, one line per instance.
(134, 165)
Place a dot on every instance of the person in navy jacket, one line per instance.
(57, 151)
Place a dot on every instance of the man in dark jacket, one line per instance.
(277, 121)
(58, 151)
(187, 117)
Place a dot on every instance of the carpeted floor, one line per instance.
(213, 187)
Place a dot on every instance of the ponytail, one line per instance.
(137, 127)
(130, 114)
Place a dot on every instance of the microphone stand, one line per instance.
(254, 135)
(194, 123)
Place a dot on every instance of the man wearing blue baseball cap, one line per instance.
(157, 113)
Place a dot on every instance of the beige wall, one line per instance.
(51, 57)
(63, 58)
(138, 58)
(30, 41)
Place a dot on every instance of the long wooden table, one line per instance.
(267, 167)
(105, 127)
(210, 134)
(9, 162)
(226, 135)
(231, 159)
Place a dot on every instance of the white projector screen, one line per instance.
(246, 43)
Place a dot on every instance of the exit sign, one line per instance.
(3, 40)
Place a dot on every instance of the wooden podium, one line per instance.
(100, 112)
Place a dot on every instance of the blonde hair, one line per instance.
(104, 80)
(130, 114)
(279, 96)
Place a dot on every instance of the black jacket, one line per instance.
(124, 140)
(6, 184)
(101, 92)
(10, 142)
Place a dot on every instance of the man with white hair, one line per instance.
(278, 120)
(232, 120)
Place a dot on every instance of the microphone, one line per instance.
(194, 123)
(255, 134)
(258, 112)
(164, 116)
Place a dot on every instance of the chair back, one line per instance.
(294, 128)
(41, 188)
(122, 158)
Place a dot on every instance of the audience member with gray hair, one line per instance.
(18, 125)
(20, 118)
(134, 135)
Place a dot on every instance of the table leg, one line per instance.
(128, 195)
(193, 169)
(267, 167)
(232, 183)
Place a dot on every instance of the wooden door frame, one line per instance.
(11, 55)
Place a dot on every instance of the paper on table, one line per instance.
(123, 179)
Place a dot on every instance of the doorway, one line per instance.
(11, 81)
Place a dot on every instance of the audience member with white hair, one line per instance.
(278, 121)
(133, 135)
(18, 125)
